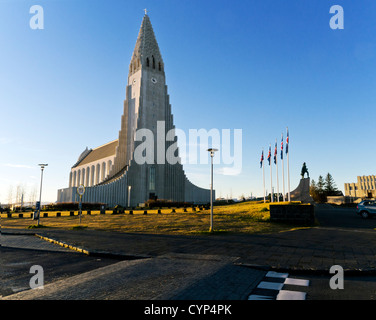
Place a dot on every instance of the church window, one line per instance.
(152, 178)
(78, 177)
(103, 171)
(97, 178)
(87, 180)
(109, 166)
(153, 62)
(147, 62)
(92, 173)
(159, 66)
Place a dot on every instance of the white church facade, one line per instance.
(110, 173)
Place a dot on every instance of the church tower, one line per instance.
(145, 93)
(146, 108)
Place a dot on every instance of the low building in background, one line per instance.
(365, 187)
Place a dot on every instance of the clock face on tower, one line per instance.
(153, 80)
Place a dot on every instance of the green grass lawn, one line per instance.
(244, 217)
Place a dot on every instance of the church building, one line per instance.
(110, 173)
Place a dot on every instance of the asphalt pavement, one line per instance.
(145, 266)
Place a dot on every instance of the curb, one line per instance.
(93, 253)
(310, 271)
(122, 256)
(63, 244)
(17, 233)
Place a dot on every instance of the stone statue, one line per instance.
(304, 171)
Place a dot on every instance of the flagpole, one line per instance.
(263, 175)
(288, 166)
(283, 172)
(271, 176)
(276, 164)
(288, 177)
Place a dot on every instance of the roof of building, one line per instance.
(104, 151)
(146, 43)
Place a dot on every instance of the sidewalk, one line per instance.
(304, 250)
(162, 278)
(167, 276)
(211, 266)
(225, 267)
(29, 241)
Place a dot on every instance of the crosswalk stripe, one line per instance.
(260, 297)
(291, 295)
(270, 285)
(275, 281)
(297, 282)
(273, 274)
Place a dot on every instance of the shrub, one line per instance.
(160, 203)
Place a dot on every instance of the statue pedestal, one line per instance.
(302, 214)
(301, 193)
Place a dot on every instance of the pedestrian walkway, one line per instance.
(312, 249)
(231, 266)
(273, 287)
(29, 242)
(170, 277)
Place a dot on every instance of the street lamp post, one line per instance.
(42, 166)
(129, 196)
(212, 151)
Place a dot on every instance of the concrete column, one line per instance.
(92, 174)
(87, 180)
(70, 179)
(78, 177)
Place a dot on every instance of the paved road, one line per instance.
(176, 278)
(358, 286)
(201, 267)
(57, 263)
(337, 217)
(73, 276)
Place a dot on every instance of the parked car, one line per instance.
(366, 208)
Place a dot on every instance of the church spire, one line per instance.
(146, 52)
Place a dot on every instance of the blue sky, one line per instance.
(259, 66)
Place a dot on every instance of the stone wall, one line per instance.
(301, 193)
(293, 213)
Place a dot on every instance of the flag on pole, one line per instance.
(288, 166)
(275, 152)
(270, 154)
(262, 158)
(275, 162)
(287, 142)
(282, 147)
(283, 170)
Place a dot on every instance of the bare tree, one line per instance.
(33, 195)
(10, 195)
(18, 194)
